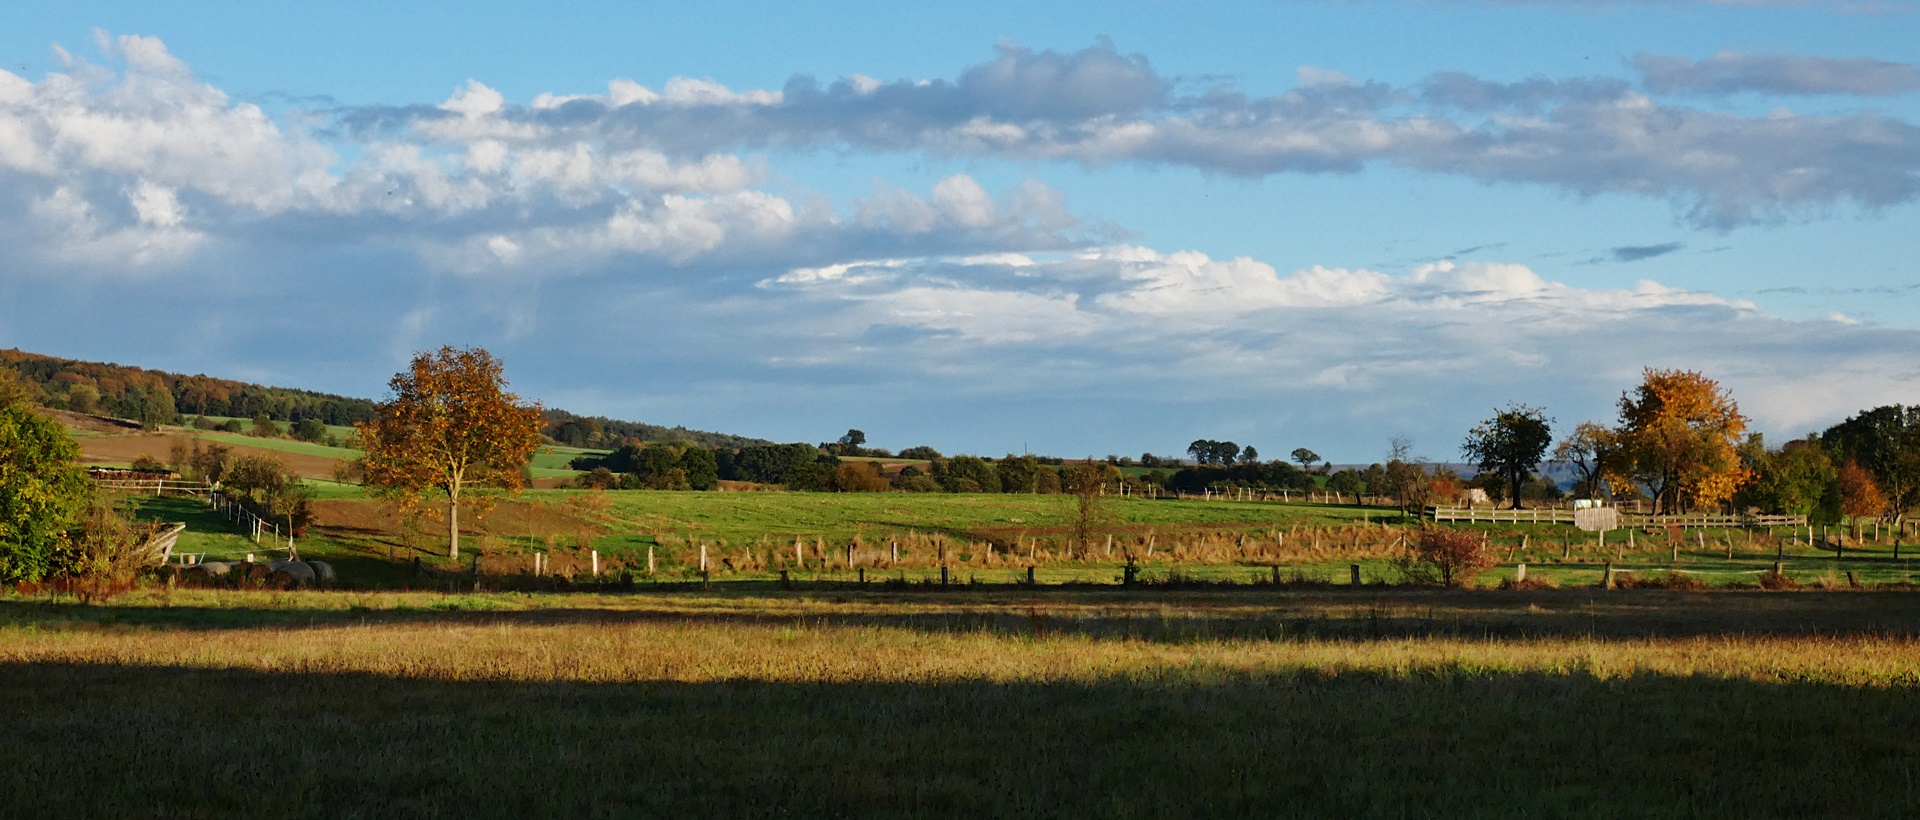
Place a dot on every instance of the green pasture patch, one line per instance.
(284, 445)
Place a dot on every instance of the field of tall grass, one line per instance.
(1004, 702)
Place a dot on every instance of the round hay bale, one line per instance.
(323, 573)
(254, 570)
(208, 571)
(290, 575)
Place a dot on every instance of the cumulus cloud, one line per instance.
(147, 162)
(1730, 72)
(1314, 351)
(1096, 107)
(451, 220)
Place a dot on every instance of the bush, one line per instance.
(1664, 580)
(859, 477)
(149, 464)
(1446, 557)
(600, 478)
(43, 491)
(310, 429)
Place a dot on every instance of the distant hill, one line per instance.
(123, 391)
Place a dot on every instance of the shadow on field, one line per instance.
(1166, 617)
(102, 740)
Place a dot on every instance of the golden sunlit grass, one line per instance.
(930, 703)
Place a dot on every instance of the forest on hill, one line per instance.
(159, 397)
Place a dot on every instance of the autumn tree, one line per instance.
(451, 425)
(1860, 497)
(1510, 444)
(1886, 443)
(1678, 434)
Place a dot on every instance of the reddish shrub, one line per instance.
(1446, 557)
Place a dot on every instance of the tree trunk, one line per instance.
(1517, 481)
(453, 524)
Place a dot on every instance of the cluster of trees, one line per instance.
(1207, 452)
(1682, 442)
(602, 432)
(157, 397)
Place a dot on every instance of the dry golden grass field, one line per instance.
(997, 702)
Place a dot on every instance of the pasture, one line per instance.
(752, 538)
(1002, 702)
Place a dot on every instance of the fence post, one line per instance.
(1030, 580)
(1520, 573)
(1606, 577)
(596, 563)
(649, 559)
(1353, 574)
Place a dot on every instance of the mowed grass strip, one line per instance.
(773, 705)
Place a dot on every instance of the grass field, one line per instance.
(994, 539)
(979, 703)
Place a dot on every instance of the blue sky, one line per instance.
(1067, 228)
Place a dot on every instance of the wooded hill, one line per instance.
(136, 393)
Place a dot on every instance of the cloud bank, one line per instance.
(641, 241)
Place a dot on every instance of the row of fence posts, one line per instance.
(541, 565)
(239, 513)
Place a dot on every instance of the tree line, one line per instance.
(1681, 443)
(155, 397)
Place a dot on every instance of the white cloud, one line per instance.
(474, 100)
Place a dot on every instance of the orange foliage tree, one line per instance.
(1678, 437)
(1860, 496)
(450, 426)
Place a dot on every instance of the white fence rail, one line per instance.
(152, 486)
(1476, 515)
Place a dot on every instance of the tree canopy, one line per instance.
(1678, 437)
(1510, 444)
(43, 490)
(1885, 441)
(450, 425)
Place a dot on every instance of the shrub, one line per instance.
(1446, 557)
(1665, 580)
(310, 429)
(859, 477)
(43, 491)
(149, 464)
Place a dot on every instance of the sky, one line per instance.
(1064, 228)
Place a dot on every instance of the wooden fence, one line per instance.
(1474, 515)
(153, 486)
